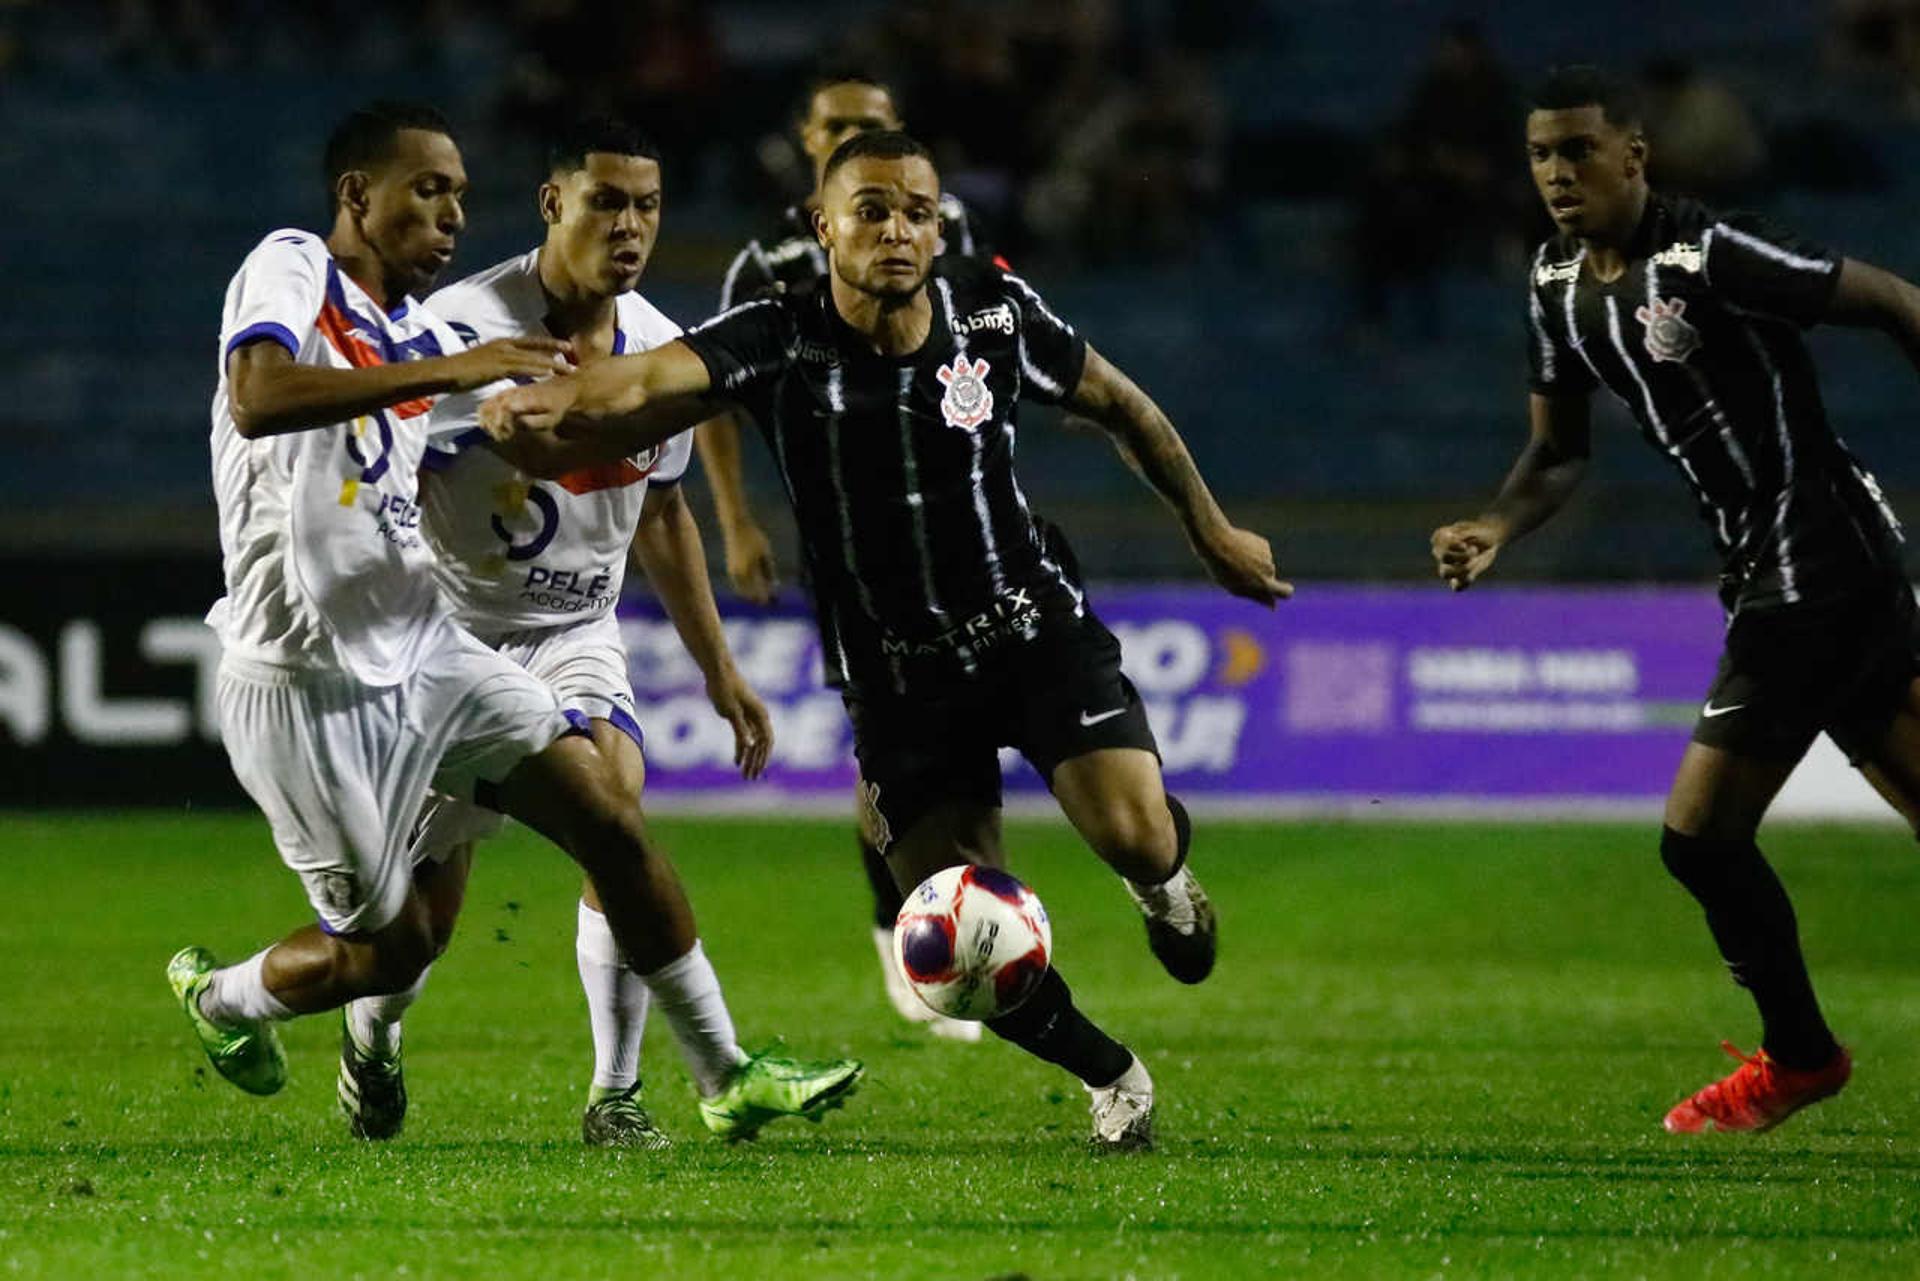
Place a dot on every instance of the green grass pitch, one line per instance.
(1430, 1050)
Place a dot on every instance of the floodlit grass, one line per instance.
(1430, 1049)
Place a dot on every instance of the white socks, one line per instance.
(1133, 1081)
(616, 1002)
(374, 1021)
(238, 994)
(899, 995)
(688, 993)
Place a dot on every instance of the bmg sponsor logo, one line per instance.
(996, 318)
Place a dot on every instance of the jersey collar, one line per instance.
(536, 293)
(854, 345)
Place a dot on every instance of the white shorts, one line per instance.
(339, 768)
(585, 665)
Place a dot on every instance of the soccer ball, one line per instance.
(973, 942)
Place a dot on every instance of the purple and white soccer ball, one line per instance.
(973, 942)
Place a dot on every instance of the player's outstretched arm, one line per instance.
(609, 410)
(1549, 469)
(666, 546)
(1239, 560)
(271, 393)
(1873, 298)
(749, 551)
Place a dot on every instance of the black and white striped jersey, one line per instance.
(794, 256)
(920, 546)
(1700, 338)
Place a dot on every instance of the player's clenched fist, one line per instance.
(511, 358)
(1242, 562)
(1465, 550)
(537, 407)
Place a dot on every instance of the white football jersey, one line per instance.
(514, 552)
(320, 539)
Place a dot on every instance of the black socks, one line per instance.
(1753, 923)
(1048, 1026)
(886, 895)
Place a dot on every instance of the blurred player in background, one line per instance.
(1693, 320)
(888, 394)
(534, 569)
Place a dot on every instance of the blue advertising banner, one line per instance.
(1515, 697)
(1343, 692)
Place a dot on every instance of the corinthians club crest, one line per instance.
(1669, 337)
(968, 400)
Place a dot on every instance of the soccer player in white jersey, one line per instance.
(345, 686)
(534, 569)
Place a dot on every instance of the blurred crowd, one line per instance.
(1062, 122)
(1089, 131)
(1093, 128)
(1878, 41)
(1444, 187)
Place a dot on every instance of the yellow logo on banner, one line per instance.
(1244, 658)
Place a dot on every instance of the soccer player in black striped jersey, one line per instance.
(889, 394)
(836, 107)
(1693, 319)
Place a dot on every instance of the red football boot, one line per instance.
(1757, 1095)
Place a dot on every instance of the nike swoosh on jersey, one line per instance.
(1710, 711)
(1086, 719)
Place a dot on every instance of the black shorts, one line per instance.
(1788, 674)
(1055, 697)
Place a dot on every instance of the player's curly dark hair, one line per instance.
(364, 137)
(1582, 85)
(878, 144)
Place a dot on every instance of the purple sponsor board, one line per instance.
(1343, 692)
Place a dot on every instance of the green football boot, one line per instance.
(248, 1054)
(766, 1088)
(615, 1119)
